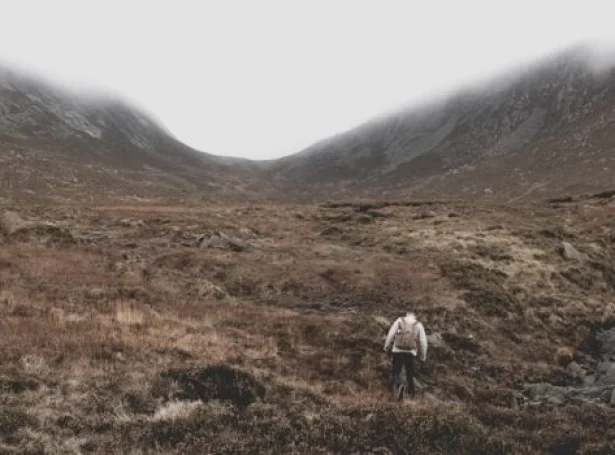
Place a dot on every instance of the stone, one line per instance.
(11, 222)
(435, 340)
(132, 223)
(224, 242)
(555, 401)
(612, 400)
(606, 338)
(576, 370)
(537, 390)
(571, 253)
(608, 373)
(382, 322)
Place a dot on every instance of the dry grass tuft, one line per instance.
(176, 410)
(127, 313)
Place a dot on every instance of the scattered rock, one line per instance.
(132, 223)
(534, 391)
(606, 339)
(571, 253)
(332, 231)
(555, 401)
(435, 340)
(382, 322)
(220, 240)
(607, 373)
(550, 395)
(11, 222)
(576, 370)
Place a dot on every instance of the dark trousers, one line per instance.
(403, 360)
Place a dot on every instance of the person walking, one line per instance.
(405, 341)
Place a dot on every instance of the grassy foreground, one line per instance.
(259, 329)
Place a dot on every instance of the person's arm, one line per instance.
(391, 336)
(422, 342)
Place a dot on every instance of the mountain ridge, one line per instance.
(523, 134)
(526, 111)
(52, 140)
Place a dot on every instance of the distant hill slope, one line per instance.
(59, 145)
(547, 130)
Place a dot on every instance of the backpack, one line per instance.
(406, 336)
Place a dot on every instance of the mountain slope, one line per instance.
(59, 144)
(542, 132)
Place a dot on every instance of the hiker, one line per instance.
(406, 339)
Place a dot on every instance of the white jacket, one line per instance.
(422, 342)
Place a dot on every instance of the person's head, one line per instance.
(411, 316)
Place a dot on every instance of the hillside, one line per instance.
(166, 309)
(536, 133)
(59, 145)
(539, 131)
(259, 329)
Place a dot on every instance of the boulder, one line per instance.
(606, 339)
(435, 340)
(535, 391)
(11, 222)
(223, 241)
(570, 253)
(382, 322)
(612, 400)
(575, 370)
(128, 222)
(607, 373)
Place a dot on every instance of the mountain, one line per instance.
(545, 129)
(61, 145)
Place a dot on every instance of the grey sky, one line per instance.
(266, 78)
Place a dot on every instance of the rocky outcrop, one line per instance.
(596, 384)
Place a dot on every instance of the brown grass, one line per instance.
(123, 343)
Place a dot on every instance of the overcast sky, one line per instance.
(262, 79)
